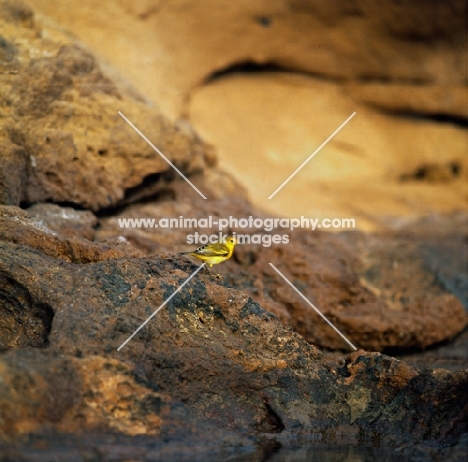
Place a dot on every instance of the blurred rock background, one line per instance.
(266, 82)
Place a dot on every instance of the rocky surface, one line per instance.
(228, 361)
(212, 356)
(62, 137)
(383, 291)
(268, 82)
(228, 369)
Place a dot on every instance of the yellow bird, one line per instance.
(212, 254)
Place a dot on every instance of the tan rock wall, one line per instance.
(399, 65)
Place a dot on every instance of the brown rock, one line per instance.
(268, 83)
(417, 100)
(62, 137)
(378, 166)
(95, 399)
(19, 227)
(403, 42)
(406, 308)
(23, 322)
(232, 364)
(450, 356)
(18, 13)
(379, 290)
(65, 221)
(13, 164)
(212, 371)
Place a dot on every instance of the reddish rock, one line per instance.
(96, 404)
(379, 290)
(230, 362)
(17, 226)
(97, 163)
(62, 138)
(213, 375)
(65, 221)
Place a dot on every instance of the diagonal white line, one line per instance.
(162, 306)
(316, 151)
(311, 304)
(162, 155)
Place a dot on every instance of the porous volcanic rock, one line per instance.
(17, 226)
(384, 291)
(98, 406)
(114, 170)
(231, 363)
(61, 136)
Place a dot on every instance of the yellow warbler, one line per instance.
(212, 254)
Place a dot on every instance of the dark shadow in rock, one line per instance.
(434, 173)
(252, 67)
(155, 187)
(271, 423)
(245, 67)
(23, 322)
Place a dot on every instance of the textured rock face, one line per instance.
(211, 361)
(230, 362)
(62, 138)
(228, 369)
(268, 82)
(386, 292)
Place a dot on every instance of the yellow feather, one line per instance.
(212, 254)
